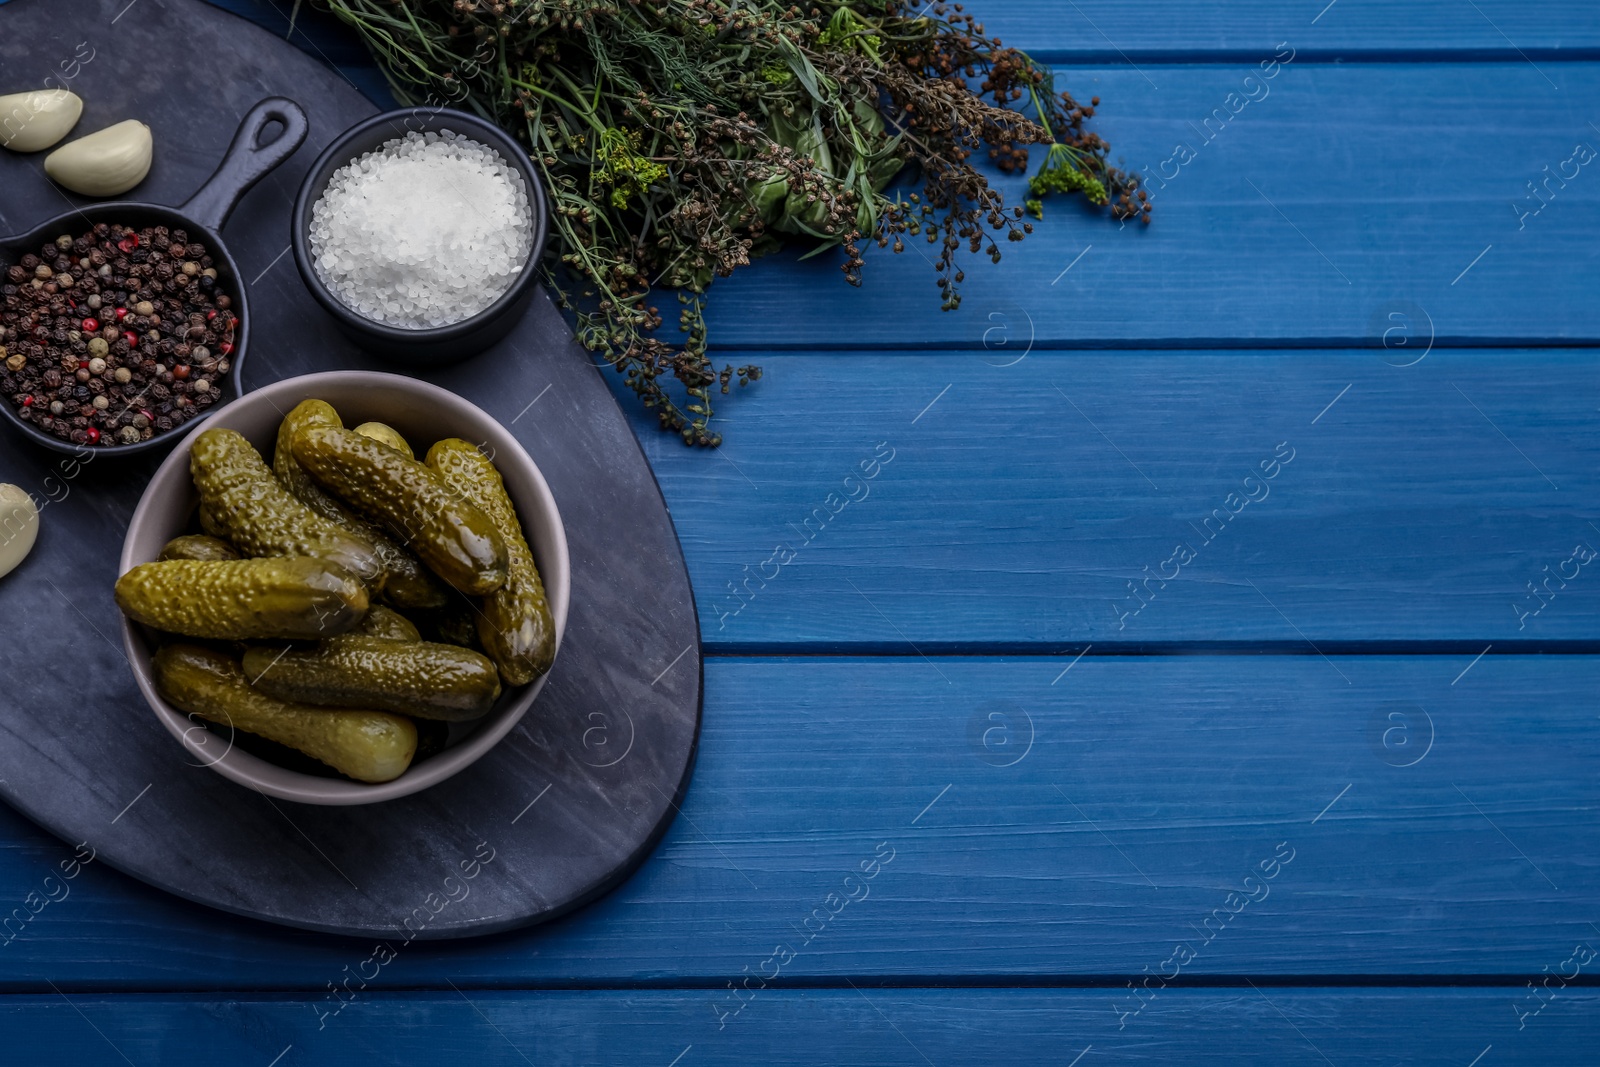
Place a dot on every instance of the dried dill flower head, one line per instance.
(680, 139)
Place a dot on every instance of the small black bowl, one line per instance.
(247, 161)
(438, 345)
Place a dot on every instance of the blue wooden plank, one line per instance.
(1022, 496)
(893, 1027)
(1153, 31)
(1156, 31)
(1026, 820)
(1343, 192)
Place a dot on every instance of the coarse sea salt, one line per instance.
(425, 231)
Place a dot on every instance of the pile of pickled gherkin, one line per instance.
(347, 601)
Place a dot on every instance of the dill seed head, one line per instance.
(679, 142)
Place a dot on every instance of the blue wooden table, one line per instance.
(1185, 653)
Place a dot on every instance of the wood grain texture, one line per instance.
(1040, 826)
(1345, 192)
(1155, 31)
(1025, 494)
(893, 1027)
(1152, 785)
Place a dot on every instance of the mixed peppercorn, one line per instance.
(114, 336)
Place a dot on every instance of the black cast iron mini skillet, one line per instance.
(203, 215)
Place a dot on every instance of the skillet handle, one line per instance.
(246, 162)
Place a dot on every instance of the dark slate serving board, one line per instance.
(562, 809)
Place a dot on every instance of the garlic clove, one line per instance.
(33, 121)
(19, 527)
(105, 163)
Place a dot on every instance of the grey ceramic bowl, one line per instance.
(424, 414)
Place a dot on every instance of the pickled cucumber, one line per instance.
(387, 434)
(198, 546)
(369, 746)
(456, 623)
(514, 622)
(287, 596)
(386, 622)
(209, 523)
(239, 495)
(426, 680)
(408, 583)
(411, 501)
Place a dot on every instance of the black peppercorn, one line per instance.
(113, 267)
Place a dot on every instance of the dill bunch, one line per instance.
(680, 139)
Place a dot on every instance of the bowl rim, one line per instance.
(70, 221)
(338, 154)
(244, 768)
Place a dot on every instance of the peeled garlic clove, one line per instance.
(33, 121)
(106, 163)
(19, 526)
